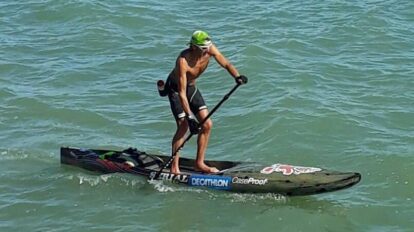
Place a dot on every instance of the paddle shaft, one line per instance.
(191, 135)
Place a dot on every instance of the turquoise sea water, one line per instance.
(331, 84)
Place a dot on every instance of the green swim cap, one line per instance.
(201, 39)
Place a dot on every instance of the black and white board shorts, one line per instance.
(195, 100)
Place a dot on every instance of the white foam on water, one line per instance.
(92, 181)
(108, 178)
(162, 186)
(249, 197)
(13, 155)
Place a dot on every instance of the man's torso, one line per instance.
(195, 65)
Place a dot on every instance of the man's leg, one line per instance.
(182, 127)
(202, 143)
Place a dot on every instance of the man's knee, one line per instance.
(207, 125)
(182, 125)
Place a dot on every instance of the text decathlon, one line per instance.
(211, 182)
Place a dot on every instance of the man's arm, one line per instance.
(182, 85)
(223, 61)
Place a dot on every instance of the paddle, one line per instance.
(191, 135)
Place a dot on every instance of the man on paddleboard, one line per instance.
(186, 100)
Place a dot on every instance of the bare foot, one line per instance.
(214, 170)
(175, 171)
(175, 166)
(206, 169)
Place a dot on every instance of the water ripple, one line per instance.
(330, 84)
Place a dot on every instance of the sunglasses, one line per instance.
(203, 48)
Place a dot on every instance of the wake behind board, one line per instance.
(242, 177)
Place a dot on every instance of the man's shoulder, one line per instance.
(182, 58)
(183, 53)
(214, 50)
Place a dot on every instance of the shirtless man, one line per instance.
(186, 100)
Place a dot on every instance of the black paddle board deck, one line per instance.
(242, 177)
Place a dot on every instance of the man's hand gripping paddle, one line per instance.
(239, 81)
